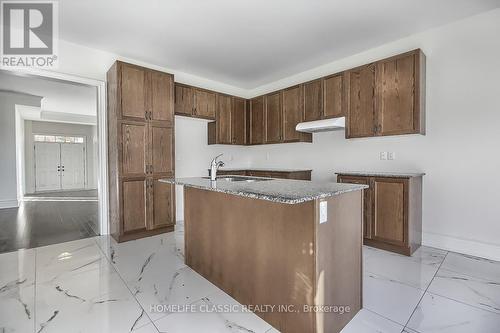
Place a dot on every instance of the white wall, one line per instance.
(41, 127)
(8, 160)
(460, 151)
(193, 154)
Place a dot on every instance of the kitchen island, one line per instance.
(288, 249)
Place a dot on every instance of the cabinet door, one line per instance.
(162, 90)
(162, 149)
(223, 121)
(257, 121)
(313, 100)
(334, 96)
(134, 148)
(205, 103)
(367, 201)
(161, 204)
(293, 109)
(390, 220)
(238, 121)
(395, 96)
(273, 118)
(134, 205)
(361, 102)
(133, 92)
(184, 100)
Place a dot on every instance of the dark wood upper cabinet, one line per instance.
(238, 121)
(273, 113)
(257, 120)
(313, 100)
(334, 101)
(398, 95)
(184, 100)
(387, 97)
(162, 94)
(293, 111)
(133, 92)
(223, 119)
(204, 103)
(361, 101)
(195, 102)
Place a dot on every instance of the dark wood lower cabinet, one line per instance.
(367, 202)
(162, 207)
(392, 211)
(134, 197)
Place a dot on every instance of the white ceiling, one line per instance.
(248, 43)
(58, 97)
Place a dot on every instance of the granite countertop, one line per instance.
(263, 169)
(382, 174)
(277, 190)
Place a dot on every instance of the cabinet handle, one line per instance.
(146, 115)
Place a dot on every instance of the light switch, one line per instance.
(391, 155)
(383, 155)
(323, 212)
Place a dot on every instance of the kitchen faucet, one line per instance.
(214, 165)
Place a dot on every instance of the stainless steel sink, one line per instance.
(241, 179)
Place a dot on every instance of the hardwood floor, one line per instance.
(40, 223)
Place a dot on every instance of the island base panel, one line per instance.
(267, 253)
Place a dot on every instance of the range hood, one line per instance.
(323, 125)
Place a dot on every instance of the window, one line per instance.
(58, 138)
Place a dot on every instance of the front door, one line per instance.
(59, 166)
(47, 166)
(72, 166)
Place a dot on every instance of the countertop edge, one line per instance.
(381, 174)
(272, 198)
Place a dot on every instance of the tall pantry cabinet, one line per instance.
(140, 151)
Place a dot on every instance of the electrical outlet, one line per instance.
(383, 155)
(391, 156)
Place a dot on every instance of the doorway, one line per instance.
(64, 197)
(60, 163)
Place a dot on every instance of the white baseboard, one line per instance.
(465, 246)
(9, 204)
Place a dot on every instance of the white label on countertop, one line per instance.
(323, 211)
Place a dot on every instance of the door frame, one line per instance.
(102, 131)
